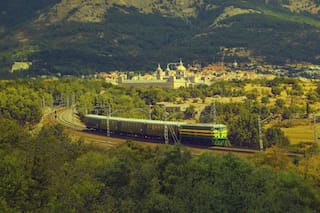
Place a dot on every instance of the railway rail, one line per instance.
(67, 119)
(75, 127)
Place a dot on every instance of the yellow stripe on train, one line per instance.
(194, 130)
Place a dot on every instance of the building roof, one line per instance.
(159, 69)
(180, 67)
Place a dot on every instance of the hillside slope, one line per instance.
(76, 37)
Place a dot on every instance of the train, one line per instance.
(168, 131)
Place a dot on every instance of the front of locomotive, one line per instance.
(221, 135)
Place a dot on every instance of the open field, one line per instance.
(298, 134)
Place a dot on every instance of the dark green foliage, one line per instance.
(52, 151)
(55, 175)
(286, 114)
(280, 103)
(20, 103)
(157, 113)
(244, 131)
(312, 96)
(252, 95)
(14, 181)
(303, 197)
(297, 90)
(276, 90)
(33, 171)
(279, 81)
(14, 12)
(265, 100)
(11, 134)
(275, 136)
(190, 112)
(318, 89)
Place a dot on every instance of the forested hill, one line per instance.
(76, 37)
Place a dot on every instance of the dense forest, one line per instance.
(42, 169)
(49, 172)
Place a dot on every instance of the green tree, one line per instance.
(14, 181)
(318, 89)
(190, 112)
(265, 100)
(301, 195)
(81, 189)
(297, 90)
(51, 152)
(287, 113)
(276, 90)
(157, 113)
(243, 131)
(252, 95)
(12, 135)
(21, 104)
(280, 103)
(275, 136)
(312, 96)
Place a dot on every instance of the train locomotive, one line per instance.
(195, 134)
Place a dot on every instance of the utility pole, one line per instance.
(315, 130)
(260, 122)
(72, 106)
(260, 133)
(214, 113)
(67, 100)
(108, 119)
(62, 99)
(150, 112)
(166, 136)
(43, 104)
(86, 109)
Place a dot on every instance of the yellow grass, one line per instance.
(299, 134)
(260, 89)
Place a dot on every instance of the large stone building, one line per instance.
(175, 76)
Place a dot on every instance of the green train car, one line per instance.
(133, 127)
(204, 134)
(196, 134)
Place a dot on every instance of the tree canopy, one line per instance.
(52, 173)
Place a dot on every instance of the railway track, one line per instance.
(232, 149)
(69, 120)
(75, 127)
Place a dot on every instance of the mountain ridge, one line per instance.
(136, 35)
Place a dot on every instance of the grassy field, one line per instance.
(299, 134)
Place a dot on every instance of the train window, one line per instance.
(155, 127)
